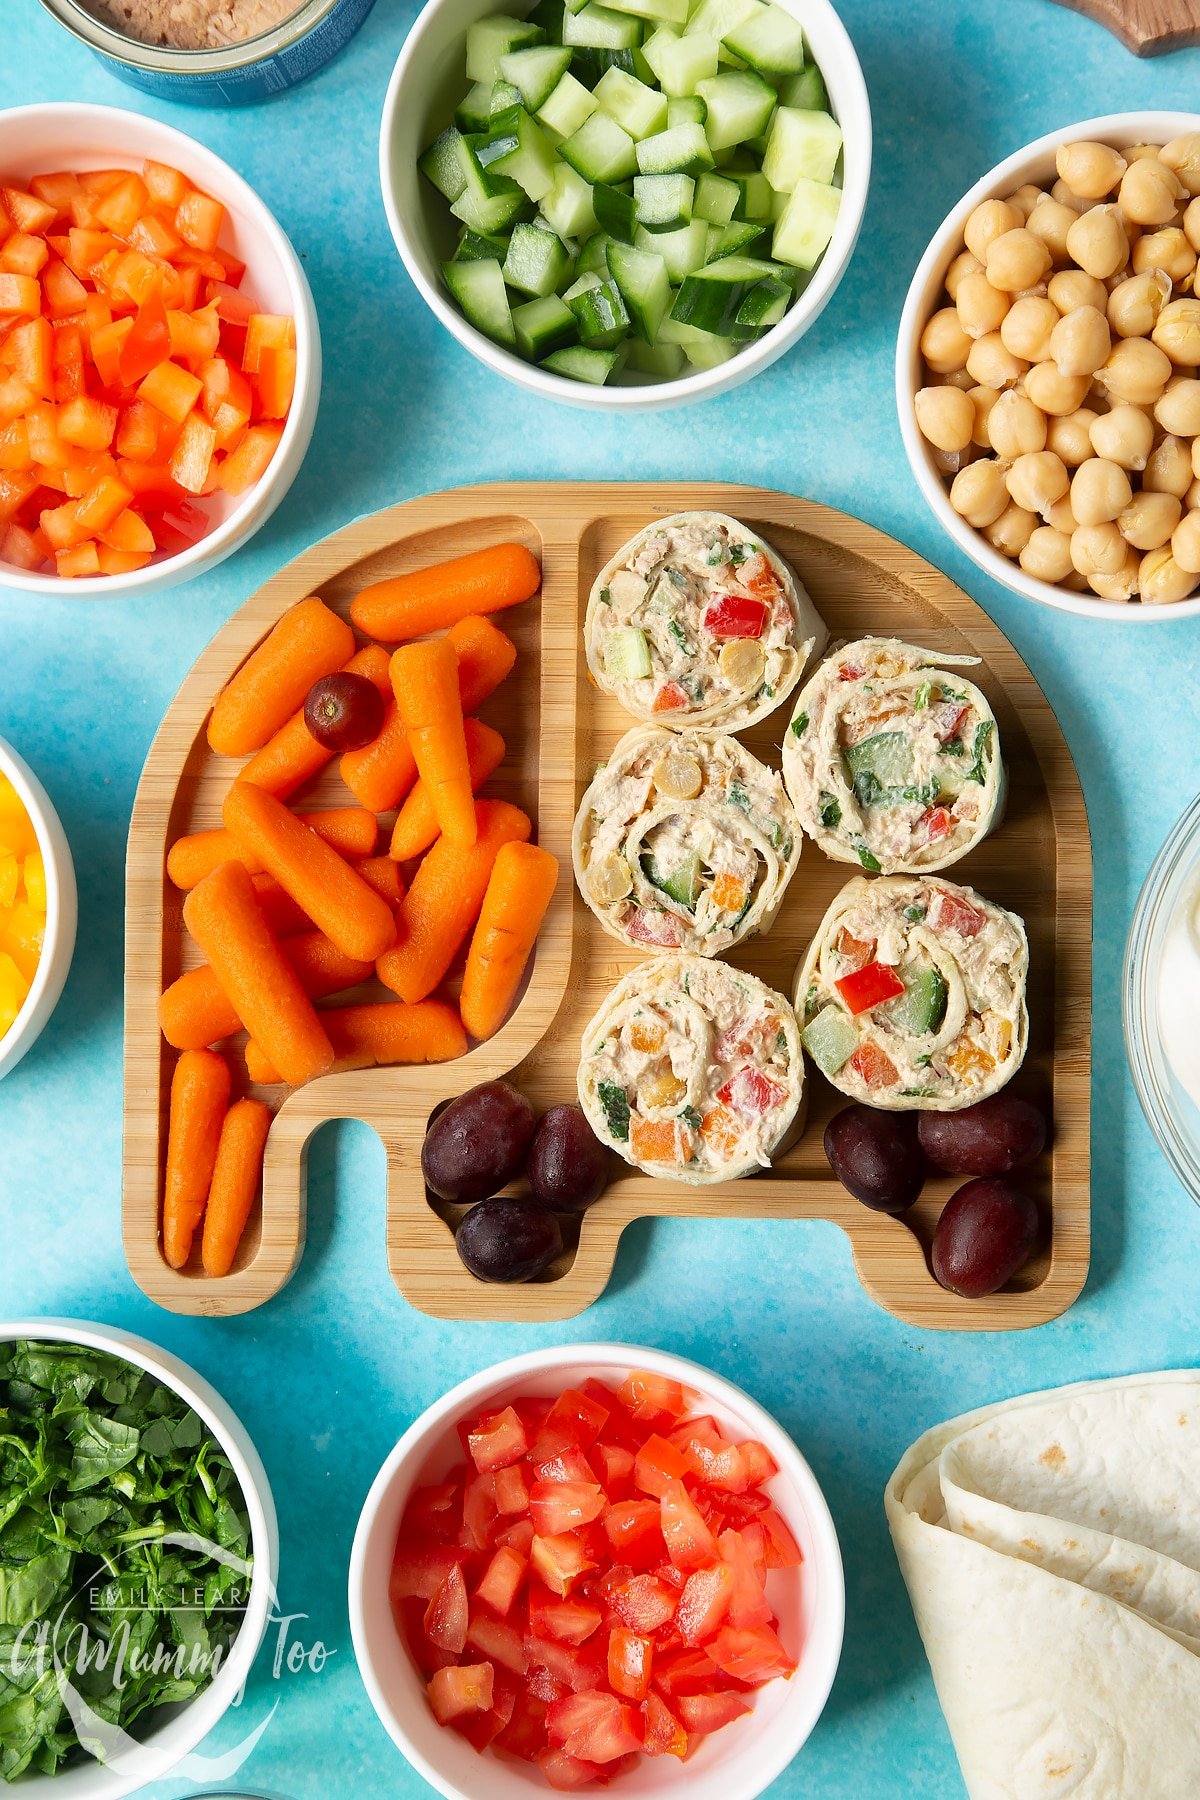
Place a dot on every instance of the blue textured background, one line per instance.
(328, 1375)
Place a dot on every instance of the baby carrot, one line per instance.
(339, 902)
(417, 826)
(284, 918)
(194, 1011)
(485, 581)
(235, 1182)
(384, 876)
(293, 756)
(519, 891)
(352, 830)
(224, 917)
(485, 657)
(308, 641)
(425, 682)
(444, 901)
(379, 1032)
(199, 1097)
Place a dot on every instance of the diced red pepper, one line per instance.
(750, 1091)
(871, 986)
(851, 671)
(947, 717)
(649, 925)
(873, 1066)
(670, 697)
(951, 913)
(735, 616)
(147, 343)
(935, 822)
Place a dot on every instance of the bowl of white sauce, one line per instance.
(1161, 999)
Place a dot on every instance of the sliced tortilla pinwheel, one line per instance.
(693, 1071)
(684, 840)
(893, 761)
(912, 994)
(696, 621)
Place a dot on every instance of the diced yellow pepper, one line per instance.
(16, 830)
(10, 875)
(34, 876)
(728, 893)
(647, 1035)
(23, 936)
(14, 990)
(664, 1089)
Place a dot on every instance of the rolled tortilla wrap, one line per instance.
(692, 1070)
(696, 621)
(1051, 1550)
(892, 760)
(684, 840)
(912, 994)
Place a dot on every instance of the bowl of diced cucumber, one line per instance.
(626, 204)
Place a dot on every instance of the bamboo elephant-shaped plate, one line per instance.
(557, 726)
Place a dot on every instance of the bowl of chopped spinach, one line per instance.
(138, 1549)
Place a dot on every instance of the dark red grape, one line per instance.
(479, 1143)
(508, 1239)
(993, 1137)
(344, 712)
(568, 1165)
(987, 1231)
(876, 1156)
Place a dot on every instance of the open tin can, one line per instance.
(234, 75)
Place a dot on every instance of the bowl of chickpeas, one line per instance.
(1048, 369)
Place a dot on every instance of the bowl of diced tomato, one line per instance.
(160, 359)
(597, 1564)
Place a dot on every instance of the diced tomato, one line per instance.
(950, 913)
(653, 925)
(479, 1512)
(735, 616)
(630, 1659)
(855, 952)
(525, 1733)
(614, 1462)
(566, 1621)
(685, 1672)
(690, 1543)
(670, 697)
(577, 1667)
(934, 823)
(748, 1604)
(577, 1418)
(704, 1603)
(436, 1511)
(561, 1506)
(446, 1614)
(565, 1773)
(482, 1729)
(502, 1580)
(595, 1727)
(873, 1066)
(459, 1690)
(751, 1655)
(703, 1713)
(518, 1536)
(871, 986)
(198, 220)
(512, 1491)
(560, 1463)
(750, 1091)
(81, 560)
(947, 716)
(714, 1462)
(643, 1602)
(634, 1530)
(560, 1561)
(653, 1400)
(760, 1464)
(497, 1441)
(783, 1552)
(420, 1568)
(497, 1640)
(665, 1736)
(657, 1463)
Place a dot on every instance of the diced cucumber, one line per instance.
(642, 279)
(830, 1039)
(703, 349)
(627, 654)
(601, 318)
(446, 163)
(716, 197)
(770, 40)
(680, 63)
(543, 325)
(682, 250)
(536, 261)
(547, 15)
(803, 233)
(568, 205)
(516, 146)
(490, 202)
(713, 297)
(590, 64)
(578, 363)
(682, 882)
(755, 199)
(475, 108)
(474, 247)
(638, 109)
(740, 104)
(601, 150)
(600, 28)
(878, 764)
(733, 239)
(593, 257)
(489, 39)
(615, 211)
(689, 109)
(662, 360)
(479, 289)
(567, 107)
(717, 18)
(683, 150)
(503, 96)
(657, 12)
(763, 306)
(922, 1006)
(662, 202)
(536, 72)
(802, 145)
(806, 90)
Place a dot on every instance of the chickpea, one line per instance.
(1037, 479)
(1134, 305)
(979, 306)
(1178, 409)
(944, 344)
(945, 417)
(982, 400)
(1099, 491)
(1016, 259)
(1191, 225)
(1015, 426)
(1010, 533)
(1169, 470)
(1167, 250)
(1025, 198)
(1136, 370)
(1050, 220)
(1178, 332)
(1182, 155)
(1071, 288)
(1191, 500)
(1098, 549)
(1080, 341)
(1161, 579)
(1070, 437)
(990, 220)
(1098, 243)
(1026, 329)
(1149, 519)
(991, 365)
(979, 494)
(1124, 436)
(1061, 518)
(1196, 457)
(1090, 170)
(1135, 152)
(1123, 584)
(1150, 192)
(1185, 543)
(963, 264)
(1053, 392)
(1047, 555)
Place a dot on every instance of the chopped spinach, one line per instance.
(739, 552)
(605, 596)
(768, 690)
(679, 634)
(800, 725)
(829, 811)
(983, 737)
(691, 1117)
(867, 857)
(737, 796)
(781, 1042)
(914, 914)
(955, 747)
(921, 697)
(615, 1102)
(924, 1093)
(677, 578)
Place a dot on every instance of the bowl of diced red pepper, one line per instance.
(159, 354)
(597, 1565)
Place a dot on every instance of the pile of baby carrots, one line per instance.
(289, 907)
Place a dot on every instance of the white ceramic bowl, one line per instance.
(61, 912)
(427, 81)
(1034, 163)
(179, 1729)
(65, 135)
(736, 1764)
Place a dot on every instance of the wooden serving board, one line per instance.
(557, 727)
(1147, 27)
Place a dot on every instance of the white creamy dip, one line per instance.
(1179, 993)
